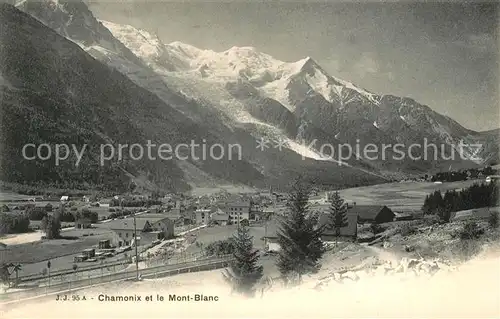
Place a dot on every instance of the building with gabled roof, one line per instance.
(150, 227)
(373, 213)
(219, 217)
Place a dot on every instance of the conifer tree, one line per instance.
(337, 215)
(244, 272)
(299, 237)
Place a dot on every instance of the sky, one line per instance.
(444, 55)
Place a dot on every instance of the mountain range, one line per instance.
(66, 76)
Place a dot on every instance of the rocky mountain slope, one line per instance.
(54, 92)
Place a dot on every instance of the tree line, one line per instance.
(475, 196)
(462, 175)
(134, 202)
(14, 223)
(39, 213)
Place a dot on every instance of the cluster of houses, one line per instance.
(356, 214)
(159, 221)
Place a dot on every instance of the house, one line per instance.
(188, 217)
(403, 216)
(373, 214)
(219, 218)
(264, 213)
(176, 212)
(160, 223)
(149, 229)
(238, 211)
(64, 198)
(104, 244)
(349, 232)
(203, 202)
(83, 223)
(202, 216)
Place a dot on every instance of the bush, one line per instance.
(406, 229)
(376, 228)
(470, 230)
(493, 220)
(245, 222)
(221, 247)
(36, 213)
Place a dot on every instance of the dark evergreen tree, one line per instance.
(299, 237)
(426, 208)
(338, 215)
(432, 202)
(244, 272)
(443, 214)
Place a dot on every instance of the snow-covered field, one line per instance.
(17, 239)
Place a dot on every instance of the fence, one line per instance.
(152, 260)
(153, 272)
(53, 274)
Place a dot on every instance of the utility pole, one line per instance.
(49, 264)
(136, 255)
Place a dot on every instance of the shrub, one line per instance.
(470, 230)
(245, 222)
(493, 220)
(36, 213)
(406, 229)
(220, 247)
(430, 220)
(376, 228)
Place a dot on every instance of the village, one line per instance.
(96, 235)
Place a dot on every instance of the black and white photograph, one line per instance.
(249, 159)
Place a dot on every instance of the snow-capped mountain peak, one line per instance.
(274, 78)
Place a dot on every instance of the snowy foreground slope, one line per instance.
(470, 291)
